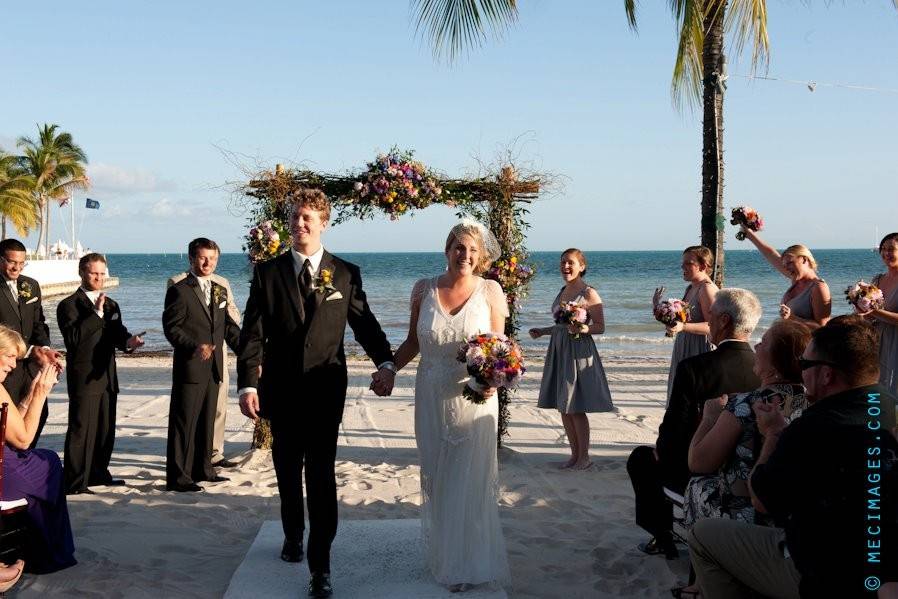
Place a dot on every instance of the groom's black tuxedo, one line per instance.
(188, 321)
(299, 344)
(25, 316)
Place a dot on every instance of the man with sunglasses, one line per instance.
(829, 479)
(21, 311)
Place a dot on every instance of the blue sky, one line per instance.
(153, 91)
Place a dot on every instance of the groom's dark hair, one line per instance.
(13, 245)
(201, 243)
(310, 198)
(88, 258)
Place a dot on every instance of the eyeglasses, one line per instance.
(805, 364)
(22, 264)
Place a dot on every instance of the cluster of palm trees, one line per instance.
(46, 170)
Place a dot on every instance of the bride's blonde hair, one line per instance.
(489, 248)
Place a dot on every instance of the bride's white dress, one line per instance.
(457, 444)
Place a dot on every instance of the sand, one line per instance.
(569, 533)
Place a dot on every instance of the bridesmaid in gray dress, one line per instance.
(808, 299)
(886, 318)
(574, 381)
(692, 337)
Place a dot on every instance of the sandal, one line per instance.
(653, 547)
(9, 583)
(685, 593)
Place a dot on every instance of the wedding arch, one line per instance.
(396, 185)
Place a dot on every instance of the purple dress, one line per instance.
(36, 475)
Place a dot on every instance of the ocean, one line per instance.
(625, 280)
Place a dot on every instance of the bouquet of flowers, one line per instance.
(395, 182)
(865, 297)
(749, 218)
(571, 313)
(266, 240)
(671, 311)
(512, 275)
(492, 361)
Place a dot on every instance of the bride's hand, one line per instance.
(489, 392)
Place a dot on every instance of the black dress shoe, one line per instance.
(217, 479)
(114, 482)
(225, 464)
(84, 491)
(188, 488)
(656, 547)
(292, 551)
(320, 585)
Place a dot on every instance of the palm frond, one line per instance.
(686, 83)
(747, 22)
(630, 9)
(456, 26)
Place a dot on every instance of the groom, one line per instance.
(296, 315)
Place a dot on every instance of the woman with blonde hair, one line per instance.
(692, 337)
(574, 380)
(808, 299)
(35, 474)
(456, 438)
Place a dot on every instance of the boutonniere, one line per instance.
(324, 281)
(25, 290)
(219, 294)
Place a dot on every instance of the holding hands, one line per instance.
(382, 382)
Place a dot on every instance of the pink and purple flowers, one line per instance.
(396, 183)
(568, 313)
(865, 297)
(747, 217)
(492, 361)
(670, 312)
(265, 241)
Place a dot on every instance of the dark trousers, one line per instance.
(653, 512)
(191, 425)
(89, 440)
(18, 385)
(313, 446)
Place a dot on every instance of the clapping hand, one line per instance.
(43, 383)
(204, 351)
(382, 382)
(714, 408)
(45, 356)
(785, 311)
(100, 303)
(770, 418)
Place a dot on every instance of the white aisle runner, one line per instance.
(375, 559)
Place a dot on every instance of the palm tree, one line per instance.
(17, 203)
(57, 165)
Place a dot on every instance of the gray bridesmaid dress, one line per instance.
(801, 304)
(888, 343)
(687, 345)
(574, 380)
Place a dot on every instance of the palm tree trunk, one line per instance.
(712, 142)
(47, 232)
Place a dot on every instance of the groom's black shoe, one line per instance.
(292, 551)
(320, 585)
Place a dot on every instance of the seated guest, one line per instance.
(728, 369)
(10, 575)
(817, 477)
(724, 445)
(35, 474)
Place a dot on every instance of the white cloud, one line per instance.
(108, 177)
(165, 208)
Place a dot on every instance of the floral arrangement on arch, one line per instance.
(513, 275)
(396, 183)
(268, 239)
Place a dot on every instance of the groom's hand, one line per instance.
(382, 381)
(249, 405)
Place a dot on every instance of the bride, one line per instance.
(456, 438)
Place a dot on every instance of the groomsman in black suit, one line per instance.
(21, 310)
(298, 308)
(197, 324)
(92, 328)
(727, 369)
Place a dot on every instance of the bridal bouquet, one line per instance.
(265, 241)
(492, 361)
(671, 311)
(748, 217)
(571, 313)
(865, 297)
(395, 182)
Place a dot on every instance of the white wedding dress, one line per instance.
(457, 444)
